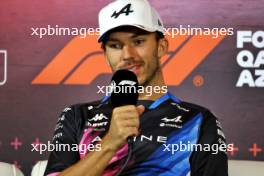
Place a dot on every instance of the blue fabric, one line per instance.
(104, 99)
(163, 99)
(164, 163)
(156, 103)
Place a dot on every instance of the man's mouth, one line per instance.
(134, 68)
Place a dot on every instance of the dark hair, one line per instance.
(159, 36)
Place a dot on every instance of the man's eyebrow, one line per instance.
(112, 39)
(139, 34)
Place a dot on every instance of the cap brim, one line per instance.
(101, 38)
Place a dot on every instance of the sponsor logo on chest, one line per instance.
(175, 122)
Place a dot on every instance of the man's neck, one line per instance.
(153, 96)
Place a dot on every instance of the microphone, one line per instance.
(124, 88)
(124, 91)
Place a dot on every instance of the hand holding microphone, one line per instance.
(124, 124)
(125, 117)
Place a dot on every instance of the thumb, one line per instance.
(140, 109)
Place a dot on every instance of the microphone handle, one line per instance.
(130, 141)
(129, 155)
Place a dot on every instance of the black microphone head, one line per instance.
(124, 88)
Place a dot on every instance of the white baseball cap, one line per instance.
(138, 13)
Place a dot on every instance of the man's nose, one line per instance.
(128, 53)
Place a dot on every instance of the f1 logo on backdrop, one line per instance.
(3, 67)
(82, 60)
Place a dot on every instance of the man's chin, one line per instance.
(142, 82)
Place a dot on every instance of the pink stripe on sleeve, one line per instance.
(86, 140)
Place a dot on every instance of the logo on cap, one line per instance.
(126, 9)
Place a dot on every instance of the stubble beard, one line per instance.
(154, 72)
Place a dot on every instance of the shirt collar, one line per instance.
(156, 103)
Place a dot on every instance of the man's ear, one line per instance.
(163, 46)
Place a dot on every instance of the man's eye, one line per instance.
(139, 41)
(115, 46)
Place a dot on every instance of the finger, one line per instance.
(128, 115)
(131, 131)
(140, 109)
(130, 123)
(126, 108)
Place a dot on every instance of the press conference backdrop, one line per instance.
(41, 75)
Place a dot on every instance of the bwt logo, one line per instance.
(3, 67)
(81, 60)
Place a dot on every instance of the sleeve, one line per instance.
(64, 140)
(212, 160)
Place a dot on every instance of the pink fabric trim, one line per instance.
(119, 154)
(87, 138)
(111, 172)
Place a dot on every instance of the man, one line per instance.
(132, 38)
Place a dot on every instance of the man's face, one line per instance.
(135, 51)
